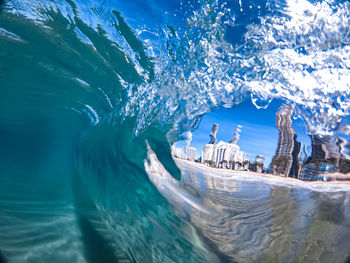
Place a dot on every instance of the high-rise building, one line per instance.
(286, 159)
(236, 135)
(209, 154)
(188, 143)
(344, 162)
(258, 165)
(192, 152)
(214, 131)
(325, 156)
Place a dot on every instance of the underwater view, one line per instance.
(174, 131)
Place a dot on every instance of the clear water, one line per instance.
(94, 93)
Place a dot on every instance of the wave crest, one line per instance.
(299, 54)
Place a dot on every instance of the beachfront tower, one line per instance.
(236, 135)
(258, 165)
(325, 156)
(214, 131)
(188, 143)
(286, 159)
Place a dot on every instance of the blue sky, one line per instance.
(259, 133)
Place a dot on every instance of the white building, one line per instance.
(177, 152)
(208, 154)
(224, 155)
(192, 152)
(188, 143)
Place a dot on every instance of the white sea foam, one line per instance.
(306, 53)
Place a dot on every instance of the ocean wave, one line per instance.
(141, 73)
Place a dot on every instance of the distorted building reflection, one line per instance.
(324, 157)
(258, 165)
(213, 133)
(327, 158)
(190, 152)
(344, 162)
(188, 143)
(286, 159)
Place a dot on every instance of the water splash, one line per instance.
(284, 55)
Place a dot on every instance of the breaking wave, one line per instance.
(140, 73)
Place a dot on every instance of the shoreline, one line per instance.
(268, 176)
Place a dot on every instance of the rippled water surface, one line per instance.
(94, 94)
(262, 220)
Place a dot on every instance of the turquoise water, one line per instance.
(89, 89)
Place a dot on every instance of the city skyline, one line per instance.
(259, 134)
(322, 160)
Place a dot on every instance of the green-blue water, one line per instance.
(89, 88)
